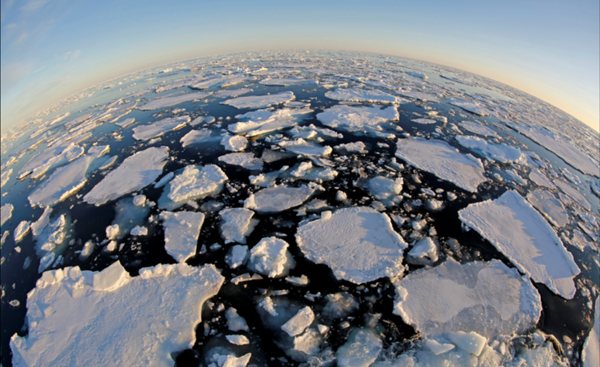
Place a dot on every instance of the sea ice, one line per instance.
(361, 95)
(244, 160)
(550, 207)
(238, 339)
(438, 348)
(591, 348)
(6, 213)
(5, 177)
(303, 147)
(264, 121)
(125, 122)
(385, 189)
(358, 244)
(277, 199)
(361, 349)
(471, 106)
(470, 342)
(260, 101)
(357, 118)
(172, 101)
(418, 95)
(22, 230)
(423, 121)
(78, 315)
(231, 93)
(271, 258)
(540, 179)
(486, 297)
(223, 81)
(196, 137)
(139, 231)
(441, 159)
(234, 143)
(236, 256)
(297, 324)
(195, 182)
(49, 158)
(136, 172)
(517, 230)
(424, 252)
(181, 233)
(498, 152)
(479, 129)
(355, 147)
(237, 224)
(158, 128)
(285, 82)
(573, 194)
(234, 321)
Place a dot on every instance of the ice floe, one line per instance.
(278, 199)
(285, 82)
(22, 229)
(236, 256)
(197, 137)
(471, 106)
(423, 252)
(158, 128)
(591, 348)
(550, 207)
(479, 129)
(181, 233)
(358, 244)
(517, 230)
(234, 143)
(223, 81)
(358, 118)
(236, 224)
(172, 101)
(79, 314)
(540, 179)
(136, 172)
(303, 147)
(444, 161)
(193, 183)
(260, 101)
(573, 194)
(271, 258)
(418, 95)
(498, 152)
(361, 349)
(6, 213)
(355, 147)
(297, 324)
(485, 297)
(50, 158)
(361, 95)
(264, 121)
(244, 160)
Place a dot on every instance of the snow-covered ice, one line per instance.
(550, 207)
(424, 252)
(277, 199)
(244, 160)
(264, 121)
(470, 342)
(238, 339)
(573, 194)
(418, 95)
(172, 101)
(195, 182)
(136, 172)
(355, 147)
(6, 213)
(540, 179)
(441, 159)
(486, 297)
(234, 143)
(22, 229)
(359, 244)
(271, 258)
(303, 147)
(260, 101)
(361, 95)
(196, 137)
(479, 129)
(139, 231)
(591, 348)
(501, 153)
(160, 127)
(181, 233)
(284, 82)
(78, 315)
(297, 324)
(236, 256)
(236, 224)
(471, 106)
(517, 230)
(357, 118)
(361, 349)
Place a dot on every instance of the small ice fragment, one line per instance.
(236, 256)
(139, 231)
(238, 339)
(267, 304)
(139, 200)
(270, 257)
(181, 233)
(235, 143)
(278, 199)
(423, 252)
(234, 321)
(87, 250)
(438, 348)
(298, 281)
(361, 349)
(22, 230)
(470, 342)
(236, 224)
(297, 324)
(260, 101)
(5, 213)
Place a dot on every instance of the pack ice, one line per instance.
(173, 100)
(76, 316)
(439, 158)
(357, 118)
(358, 244)
(498, 152)
(485, 297)
(158, 128)
(517, 230)
(264, 121)
(260, 101)
(195, 182)
(135, 173)
(361, 95)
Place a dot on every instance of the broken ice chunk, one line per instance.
(485, 297)
(358, 244)
(498, 152)
(357, 118)
(181, 233)
(234, 143)
(195, 182)
(158, 128)
(424, 252)
(361, 95)
(270, 257)
(264, 121)
(236, 256)
(517, 230)
(361, 349)
(303, 147)
(297, 324)
(238, 339)
(22, 230)
(386, 189)
(196, 137)
(478, 129)
(139, 200)
(278, 199)
(470, 342)
(260, 101)
(174, 100)
(244, 160)
(237, 224)
(6, 213)
(139, 231)
(355, 147)
(438, 348)
(112, 231)
(234, 321)
(591, 348)
(549, 206)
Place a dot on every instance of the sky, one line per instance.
(53, 48)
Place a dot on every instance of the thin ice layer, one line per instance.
(498, 152)
(439, 158)
(361, 95)
(517, 230)
(102, 318)
(160, 127)
(358, 244)
(172, 101)
(277, 199)
(488, 298)
(195, 182)
(260, 101)
(135, 173)
(181, 233)
(357, 118)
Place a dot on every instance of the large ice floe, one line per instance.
(358, 118)
(498, 152)
(278, 199)
(181, 233)
(438, 157)
(517, 230)
(260, 101)
(361, 95)
(158, 128)
(193, 183)
(358, 244)
(264, 121)
(136, 172)
(76, 316)
(173, 100)
(488, 298)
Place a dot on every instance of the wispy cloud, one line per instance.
(71, 55)
(33, 5)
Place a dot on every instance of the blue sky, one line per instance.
(53, 48)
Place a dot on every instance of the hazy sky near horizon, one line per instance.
(53, 48)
